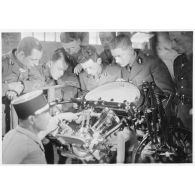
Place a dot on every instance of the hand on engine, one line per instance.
(53, 124)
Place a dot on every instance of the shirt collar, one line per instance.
(15, 59)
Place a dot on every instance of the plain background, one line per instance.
(60, 15)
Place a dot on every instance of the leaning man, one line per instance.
(22, 145)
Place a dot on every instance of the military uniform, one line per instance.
(20, 146)
(109, 73)
(106, 57)
(183, 79)
(148, 69)
(73, 59)
(68, 91)
(14, 71)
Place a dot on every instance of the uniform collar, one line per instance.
(13, 57)
(132, 63)
(31, 135)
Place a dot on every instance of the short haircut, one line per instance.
(121, 41)
(61, 53)
(27, 44)
(86, 53)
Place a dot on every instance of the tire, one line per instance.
(177, 150)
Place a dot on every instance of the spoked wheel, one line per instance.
(178, 148)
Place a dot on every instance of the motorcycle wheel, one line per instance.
(177, 150)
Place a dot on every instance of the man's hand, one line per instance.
(78, 69)
(53, 123)
(11, 95)
(16, 86)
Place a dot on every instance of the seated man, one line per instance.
(60, 72)
(22, 145)
(95, 74)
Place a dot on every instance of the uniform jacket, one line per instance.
(72, 79)
(107, 57)
(109, 73)
(20, 146)
(13, 71)
(150, 69)
(183, 75)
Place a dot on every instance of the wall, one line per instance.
(10, 41)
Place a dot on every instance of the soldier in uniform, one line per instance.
(106, 38)
(72, 43)
(106, 56)
(61, 72)
(22, 145)
(20, 72)
(138, 67)
(95, 73)
(182, 43)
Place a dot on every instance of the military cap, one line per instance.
(32, 103)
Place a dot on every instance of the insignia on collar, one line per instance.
(139, 60)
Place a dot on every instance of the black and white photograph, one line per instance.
(97, 97)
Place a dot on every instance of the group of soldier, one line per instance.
(82, 65)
